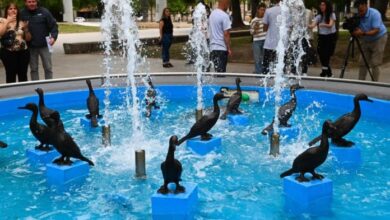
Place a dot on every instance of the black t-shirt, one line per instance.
(168, 26)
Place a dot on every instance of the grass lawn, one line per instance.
(75, 28)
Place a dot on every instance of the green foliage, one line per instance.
(177, 6)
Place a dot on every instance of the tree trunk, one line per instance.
(381, 5)
(236, 14)
(254, 4)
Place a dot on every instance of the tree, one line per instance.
(236, 14)
(381, 5)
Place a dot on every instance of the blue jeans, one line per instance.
(166, 44)
(258, 54)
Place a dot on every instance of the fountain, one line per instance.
(199, 51)
(232, 182)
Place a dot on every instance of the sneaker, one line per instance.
(323, 74)
(165, 65)
(169, 65)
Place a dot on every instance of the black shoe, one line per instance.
(165, 65)
(323, 73)
(169, 65)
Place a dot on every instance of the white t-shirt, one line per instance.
(219, 22)
(271, 19)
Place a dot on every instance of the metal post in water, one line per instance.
(106, 135)
(274, 144)
(198, 114)
(140, 167)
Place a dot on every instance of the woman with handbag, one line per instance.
(326, 23)
(166, 36)
(13, 37)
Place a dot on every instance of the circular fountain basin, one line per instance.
(239, 181)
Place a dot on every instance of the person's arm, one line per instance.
(265, 21)
(329, 25)
(226, 38)
(359, 32)
(27, 34)
(52, 26)
(161, 26)
(4, 23)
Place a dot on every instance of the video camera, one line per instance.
(352, 20)
(351, 23)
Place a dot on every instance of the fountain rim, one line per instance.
(379, 90)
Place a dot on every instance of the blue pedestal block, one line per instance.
(288, 134)
(319, 207)
(86, 123)
(346, 156)
(203, 147)
(176, 206)
(56, 174)
(307, 192)
(241, 120)
(37, 156)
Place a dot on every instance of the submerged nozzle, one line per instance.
(106, 135)
(140, 166)
(274, 144)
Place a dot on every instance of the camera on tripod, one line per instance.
(351, 23)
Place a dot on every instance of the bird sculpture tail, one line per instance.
(268, 129)
(86, 160)
(287, 173)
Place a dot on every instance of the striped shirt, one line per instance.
(256, 29)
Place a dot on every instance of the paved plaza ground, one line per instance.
(73, 65)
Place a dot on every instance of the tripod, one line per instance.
(351, 46)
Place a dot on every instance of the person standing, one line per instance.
(166, 36)
(219, 26)
(14, 53)
(257, 31)
(373, 35)
(272, 38)
(326, 22)
(307, 43)
(44, 32)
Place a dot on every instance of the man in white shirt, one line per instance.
(272, 38)
(220, 25)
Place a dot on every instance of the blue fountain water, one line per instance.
(241, 181)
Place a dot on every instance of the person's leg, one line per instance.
(46, 62)
(256, 56)
(24, 59)
(378, 49)
(170, 38)
(224, 60)
(165, 49)
(261, 56)
(34, 54)
(219, 59)
(322, 53)
(267, 61)
(9, 62)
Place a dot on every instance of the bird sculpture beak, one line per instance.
(369, 100)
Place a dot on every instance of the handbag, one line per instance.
(7, 40)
